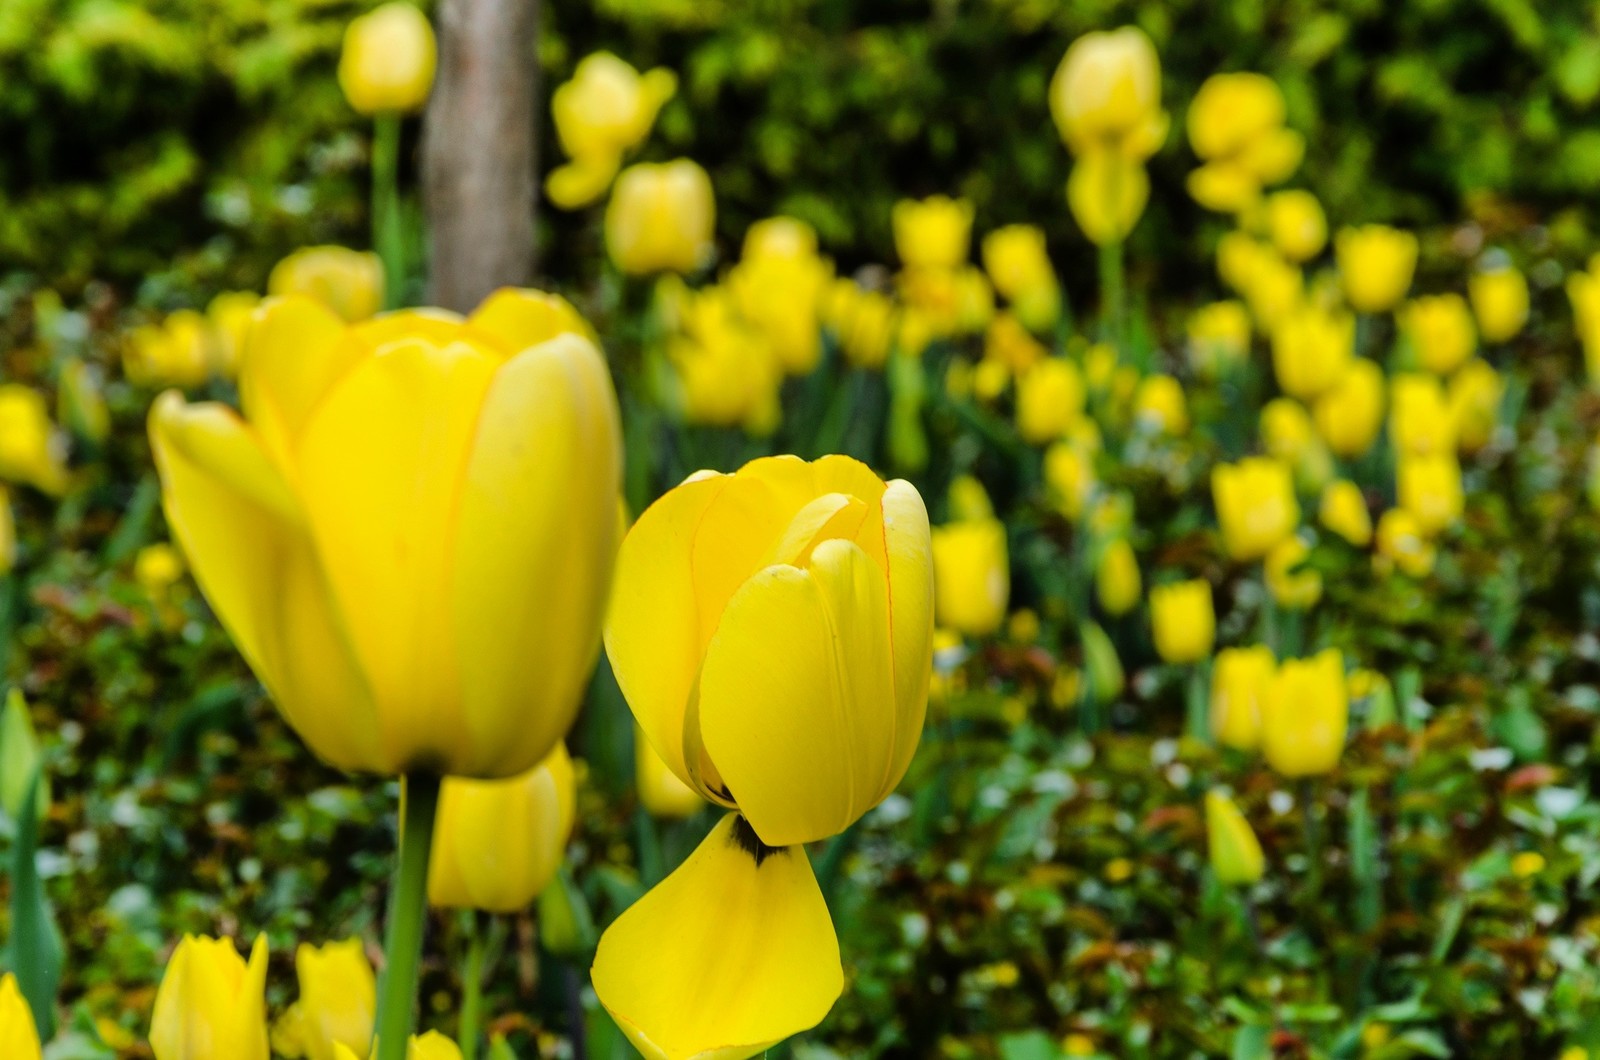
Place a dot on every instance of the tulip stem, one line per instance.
(387, 238)
(408, 907)
(471, 990)
(1111, 296)
(1198, 703)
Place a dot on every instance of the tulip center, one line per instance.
(751, 844)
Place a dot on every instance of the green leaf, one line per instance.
(35, 953)
(19, 759)
(566, 927)
(1252, 1042)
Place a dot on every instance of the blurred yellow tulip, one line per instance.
(1011, 344)
(1106, 95)
(337, 1005)
(661, 218)
(1376, 264)
(499, 842)
(1292, 589)
(781, 297)
(1160, 407)
(388, 60)
(1183, 620)
(1429, 487)
(1106, 194)
(430, 1046)
(1225, 187)
(1019, 266)
(1231, 111)
(1312, 349)
(211, 1004)
(866, 327)
(1233, 849)
(1275, 291)
(605, 110)
(349, 282)
(1402, 544)
(972, 575)
(1500, 302)
(1219, 338)
(969, 500)
(1305, 715)
(1069, 477)
(1474, 396)
(1297, 225)
(1441, 331)
(1350, 413)
(1049, 400)
(1117, 583)
(29, 453)
(175, 352)
(157, 568)
(1344, 511)
(1583, 291)
(229, 315)
(932, 233)
(1239, 679)
(1420, 419)
(780, 237)
(729, 371)
(19, 1035)
(660, 791)
(1256, 505)
(353, 534)
(1286, 430)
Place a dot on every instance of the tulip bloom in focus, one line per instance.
(1234, 850)
(349, 282)
(19, 1035)
(397, 534)
(1500, 302)
(499, 842)
(1256, 505)
(772, 632)
(1305, 715)
(660, 218)
(337, 1005)
(1183, 620)
(388, 60)
(1239, 679)
(211, 1004)
(604, 111)
(28, 451)
(1375, 265)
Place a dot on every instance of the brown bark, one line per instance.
(478, 155)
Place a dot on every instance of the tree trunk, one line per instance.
(478, 163)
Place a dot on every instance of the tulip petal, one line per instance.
(581, 181)
(380, 468)
(516, 318)
(244, 535)
(536, 541)
(907, 541)
(293, 353)
(797, 693)
(732, 953)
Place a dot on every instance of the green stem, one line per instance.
(408, 907)
(1111, 293)
(387, 238)
(471, 990)
(1198, 703)
(1313, 842)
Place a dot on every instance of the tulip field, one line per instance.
(809, 530)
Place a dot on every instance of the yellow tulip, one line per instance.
(1070, 478)
(1376, 264)
(1420, 418)
(1183, 620)
(1344, 511)
(19, 1035)
(1009, 343)
(211, 1004)
(1349, 413)
(353, 534)
(1219, 338)
(1234, 850)
(1275, 290)
(229, 315)
(968, 500)
(660, 791)
(974, 301)
(1297, 225)
(1583, 291)
(1311, 350)
(1225, 187)
(780, 237)
(1402, 544)
(730, 373)
(867, 333)
(1500, 302)
(781, 297)
(661, 218)
(1474, 396)
(1441, 331)
(1305, 715)
(1106, 194)
(932, 233)
(606, 109)
(430, 1046)
(8, 534)
(175, 352)
(1106, 95)
(1292, 589)
(1239, 679)
(1049, 400)
(1017, 262)
(388, 60)
(1159, 406)
(1286, 431)
(499, 842)
(1116, 578)
(338, 1001)
(972, 575)
(28, 450)
(349, 282)
(80, 403)
(1232, 111)
(1429, 487)
(1256, 505)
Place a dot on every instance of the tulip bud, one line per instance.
(1292, 589)
(932, 233)
(1349, 414)
(1305, 714)
(474, 864)
(338, 1000)
(19, 1035)
(1183, 621)
(211, 1003)
(972, 575)
(1376, 264)
(1312, 350)
(1101, 662)
(349, 282)
(1106, 95)
(1429, 487)
(1239, 680)
(1297, 225)
(1256, 505)
(1235, 852)
(1402, 544)
(1344, 511)
(1049, 400)
(28, 451)
(1106, 193)
(1440, 329)
(388, 60)
(1500, 302)
(1116, 578)
(353, 531)
(1219, 338)
(661, 218)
